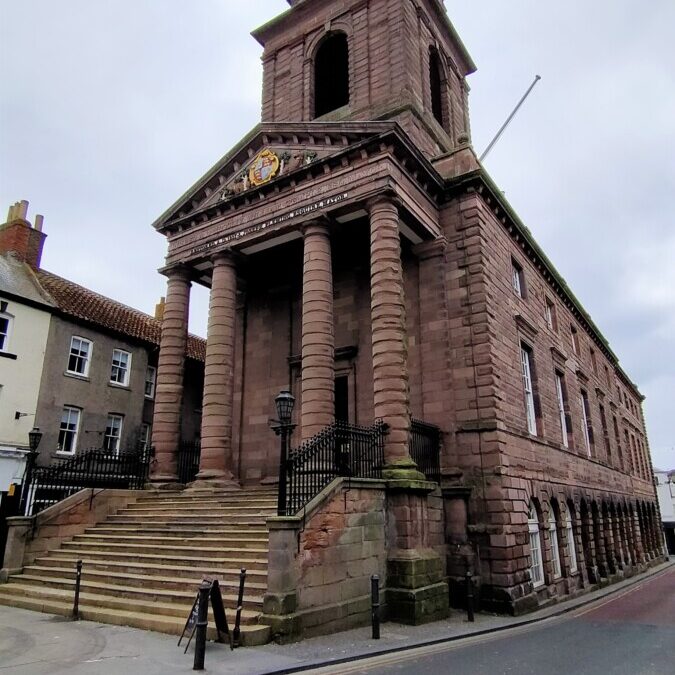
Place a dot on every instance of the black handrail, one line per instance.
(425, 448)
(189, 454)
(341, 449)
(93, 468)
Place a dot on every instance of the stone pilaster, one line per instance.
(638, 545)
(610, 544)
(600, 545)
(170, 371)
(318, 342)
(216, 457)
(390, 349)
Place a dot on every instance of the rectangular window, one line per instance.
(607, 378)
(562, 407)
(528, 388)
(555, 549)
(150, 380)
(617, 438)
(571, 546)
(594, 362)
(5, 322)
(113, 434)
(68, 431)
(517, 279)
(575, 339)
(144, 438)
(121, 364)
(588, 430)
(631, 459)
(605, 433)
(549, 314)
(80, 356)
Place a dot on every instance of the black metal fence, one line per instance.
(339, 450)
(94, 468)
(189, 454)
(425, 448)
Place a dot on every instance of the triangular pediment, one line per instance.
(269, 153)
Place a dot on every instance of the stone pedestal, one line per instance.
(19, 529)
(417, 591)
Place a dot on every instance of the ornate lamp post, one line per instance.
(34, 438)
(282, 427)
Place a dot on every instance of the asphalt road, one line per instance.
(631, 633)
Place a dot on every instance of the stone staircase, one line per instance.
(143, 565)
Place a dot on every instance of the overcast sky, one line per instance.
(109, 110)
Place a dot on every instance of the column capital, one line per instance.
(224, 257)
(177, 271)
(320, 225)
(434, 248)
(387, 198)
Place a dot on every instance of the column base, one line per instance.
(162, 483)
(279, 613)
(403, 469)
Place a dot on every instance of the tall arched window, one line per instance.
(537, 567)
(436, 84)
(555, 547)
(331, 74)
(569, 535)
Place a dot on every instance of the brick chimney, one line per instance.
(18, 237)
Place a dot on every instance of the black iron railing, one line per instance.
(94, 468)
(189, 454)
(339, 450)
(425, 448)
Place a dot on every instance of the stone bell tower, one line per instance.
(327, 61)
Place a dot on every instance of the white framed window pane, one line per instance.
(529, 393)
(571, 546)
(536, 568)
(78, 359)
(561, 409)
(517, 285)
(113, 434)
(587, 436)
(4, 333)
(555, 549)
(70, 421)
(150, 381)
(549, 316)
(145, 436)
(121, 362)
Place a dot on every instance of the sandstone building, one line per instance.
(456, 407)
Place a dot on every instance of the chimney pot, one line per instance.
(23, 209)
(39, 220)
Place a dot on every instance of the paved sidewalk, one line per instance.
(40, 644)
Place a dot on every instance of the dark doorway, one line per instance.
(331, 75)
(342, 398)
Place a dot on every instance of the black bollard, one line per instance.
(236, 633)
(78, 582)
(201, 626)
(469, 596)
(375, 605)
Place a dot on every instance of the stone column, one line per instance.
(639, 551)
(390, 349)
(610, 545)
(318, 342)
(618, 539)
(600, 545)
(216, 458)
(170, 371)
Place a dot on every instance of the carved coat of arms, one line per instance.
(265, 167)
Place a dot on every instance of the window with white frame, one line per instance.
(121, 366)
(517, 279)
(575, 339)
(562, 404)
(528, 388)
(571, 546)
(555, 548)
(68, 430)
(150, 381)
(5, 329)
(549, 314)
(113, 434)
(144, 437)
(536, 567)
(80, 356)
(586, 412)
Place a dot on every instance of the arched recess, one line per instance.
(331, 74)
(536, 545)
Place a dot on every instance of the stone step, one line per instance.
(174, 609)
(213, 571)
(223, 550)
(195, 522)
(250, 563)
(251, 635)
(152, 581)
(177, 530)
(240, 541)
(264, 504)
(171, 595)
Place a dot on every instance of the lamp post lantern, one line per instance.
(34, 438)
(282, 427)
